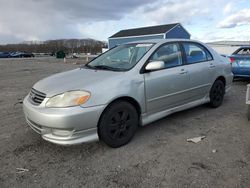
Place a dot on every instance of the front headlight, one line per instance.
(68, 99)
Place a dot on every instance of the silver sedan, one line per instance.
(130, 85)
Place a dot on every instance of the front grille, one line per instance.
(36, 97)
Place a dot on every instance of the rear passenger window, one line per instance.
(242, 51)
(196, 53)
(170, 54)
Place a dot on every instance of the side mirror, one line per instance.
(155, 65)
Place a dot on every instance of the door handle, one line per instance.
(183, 71)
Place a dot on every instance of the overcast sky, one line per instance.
(206, 20)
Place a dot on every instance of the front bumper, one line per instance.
(64, 126)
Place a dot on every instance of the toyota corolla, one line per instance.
(130, 85)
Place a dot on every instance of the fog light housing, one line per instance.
(61, 133)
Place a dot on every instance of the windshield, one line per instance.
(121, 58)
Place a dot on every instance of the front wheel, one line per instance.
(118, 124)
(217, 94)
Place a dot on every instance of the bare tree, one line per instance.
(52, 46)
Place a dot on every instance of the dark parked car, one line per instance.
(4, 54)
(240, 60)
(22, 54)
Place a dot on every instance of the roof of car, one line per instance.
(244, 47)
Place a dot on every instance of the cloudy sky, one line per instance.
(206, 20)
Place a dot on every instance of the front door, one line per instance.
(166, 88)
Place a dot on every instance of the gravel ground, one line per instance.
(158, 156)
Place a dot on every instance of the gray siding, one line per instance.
(178, 32)
(117, 41)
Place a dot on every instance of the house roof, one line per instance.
(152, 30)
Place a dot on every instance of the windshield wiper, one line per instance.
(87, 66)
(104, 67)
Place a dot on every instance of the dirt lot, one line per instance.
(158, 156)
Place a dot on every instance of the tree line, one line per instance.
(52, 46)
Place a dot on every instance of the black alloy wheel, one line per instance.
(217, 93)
(118, 124)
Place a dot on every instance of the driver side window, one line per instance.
(170, 54)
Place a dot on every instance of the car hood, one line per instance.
(77, 79)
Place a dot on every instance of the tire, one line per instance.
(118, 124)
(217, 93)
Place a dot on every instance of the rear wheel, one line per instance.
(118, 124)
(217, 94)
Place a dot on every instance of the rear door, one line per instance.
(201, 68)
(166, 88)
